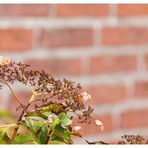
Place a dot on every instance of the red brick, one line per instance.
(13, 103)
(36, 10)
(133, 10)
(70, 37)
(112, 64)
(92, 129)
(124, 35)
(13, 39)
(107, 93)
(24, 98)
(87, 10)
(146, 61)
(58, 66)
(134, 118)
(141, 88)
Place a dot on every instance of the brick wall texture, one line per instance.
(102, 46)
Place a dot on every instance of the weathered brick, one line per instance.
(107, 93)
(13, 103)
(13, 39)
(24, 96)
(132, 10)
(113, 64)
(92, 129)
(70, 37)
(77, 10)
(141, 88)
(33, 10)
(124, 35)
(58, 66)
(146, 60)
(134, 118)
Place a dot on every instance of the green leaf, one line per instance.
(43, 135)
(55, 142)
(37, 115)
(54, 108)
(34, 136)
(23, 138)
(64, 119)
(28, 123)
(1, 132)
(55, 122)
(38, 130)
(38, 124)
(61, 134)
(4, 138)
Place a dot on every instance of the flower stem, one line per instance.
(17, 98)
(4, 126)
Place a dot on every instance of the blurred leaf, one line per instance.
(9, 131)
(37, 115)
(4, 113)
(60, 129)
(4, 139)
(38, 129)
(61, 134)
(37, 125)
(54, 108)
(22, 138)
(55, 122)
(55, 142)
(43, 135)
(6, 117)
(28, 123)
(64, 119)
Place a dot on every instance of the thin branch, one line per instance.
(17, 98)
(20, 118)
(18, 122)
(36, 100)
(4, 126)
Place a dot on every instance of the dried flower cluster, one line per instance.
(64, 94)
(127, 139)
(51, 100)
(133, 139)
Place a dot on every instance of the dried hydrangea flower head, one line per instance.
(133, 139)
(62, 95)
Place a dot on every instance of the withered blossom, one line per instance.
(100, 124)
(85, 96)
(77, 128)
(61, 95)
(133, 139)
(4, 60)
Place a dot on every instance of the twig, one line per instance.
(17, 98)
(18, 122)
(4, 126)
(20, 118)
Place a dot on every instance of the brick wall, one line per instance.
(104, 47)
